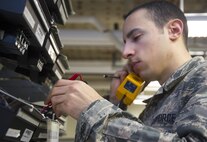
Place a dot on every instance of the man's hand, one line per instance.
(116, 82)
(71, 97)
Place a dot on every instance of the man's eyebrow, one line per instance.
(132, 31)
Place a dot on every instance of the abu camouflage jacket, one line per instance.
(176, 113)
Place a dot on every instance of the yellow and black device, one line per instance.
(129, 88)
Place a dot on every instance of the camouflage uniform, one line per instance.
(177, 112)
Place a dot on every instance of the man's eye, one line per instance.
(136, 38)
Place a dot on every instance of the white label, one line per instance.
(38, 6)
(54, 44)
(42, 135)
(58, 74)
(13, 133)
(40, 34)
(29, 17)
(27, 135)
(52, 131)
(52, 54)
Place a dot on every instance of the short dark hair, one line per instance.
(162, 12)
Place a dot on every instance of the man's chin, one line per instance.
(138, 73)
(143, 76)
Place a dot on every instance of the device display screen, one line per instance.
(130, 86)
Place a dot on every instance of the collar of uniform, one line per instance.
(180, 73)
(177, 76)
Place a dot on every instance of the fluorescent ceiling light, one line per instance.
(138, 102)
(152, 87)
(140, 98)
(197, 53)
(197, 23)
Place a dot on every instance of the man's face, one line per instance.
(146, 46)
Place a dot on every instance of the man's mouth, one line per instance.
(135, 63)
(136, 66)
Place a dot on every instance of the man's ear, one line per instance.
(175, 29)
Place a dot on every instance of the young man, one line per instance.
(155, 37)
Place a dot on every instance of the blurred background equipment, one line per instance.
(30, 63)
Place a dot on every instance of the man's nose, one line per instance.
(127, 51)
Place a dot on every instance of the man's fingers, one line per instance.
(59, 103)
(60, 88)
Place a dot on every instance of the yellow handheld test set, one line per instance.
(130, 88)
